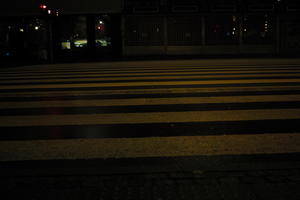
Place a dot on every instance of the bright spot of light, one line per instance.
(36, 28)
(43, 6)
(21, 30)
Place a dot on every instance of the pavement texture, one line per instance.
(258, 184)
(172, 129)
(75, 149)
(253, 178)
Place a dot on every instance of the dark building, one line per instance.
(60, 30)
(211, 27)
(93, 30)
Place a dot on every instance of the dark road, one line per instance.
(177, 102)
(193, 116)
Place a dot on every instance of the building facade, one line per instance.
(201, 27)
(91, 30)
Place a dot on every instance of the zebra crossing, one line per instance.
(148, 109)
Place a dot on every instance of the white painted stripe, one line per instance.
(157, 83)
(150, 101)
(73, 149)
(143, 118)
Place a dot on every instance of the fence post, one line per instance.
(165, 18)
(203, 29)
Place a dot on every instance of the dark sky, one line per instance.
(29, 7)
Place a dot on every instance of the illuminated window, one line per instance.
(73, 32)
(103, 31)
(66, 44)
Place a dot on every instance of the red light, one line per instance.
(43, 6)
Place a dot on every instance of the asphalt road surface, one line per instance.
(153, 117)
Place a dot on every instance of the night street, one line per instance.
(186, 119)
(150, 99)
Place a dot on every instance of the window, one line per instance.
(222, 30)
(24, 38)
(73, 32)
(142, 6)
(223, 5)
(4, 39)
(103, 31)
(258, 29)
(293, 33)
(261, 5)
(293, 5)
(36, 37)
(185, 6)
(144, 30)
(184, 30)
